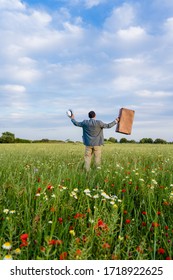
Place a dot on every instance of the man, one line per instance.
(93, 137)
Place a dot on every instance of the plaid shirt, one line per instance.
(93, 131)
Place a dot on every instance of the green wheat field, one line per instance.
(51, 209)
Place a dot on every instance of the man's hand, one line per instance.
(117, 120)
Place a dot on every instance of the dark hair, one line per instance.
(91, 114)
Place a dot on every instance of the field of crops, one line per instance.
(51, 209)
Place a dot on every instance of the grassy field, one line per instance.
(51, 209)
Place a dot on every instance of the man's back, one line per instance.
(93, 131)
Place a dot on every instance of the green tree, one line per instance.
(112, 139)
(7, 137)
(19, 140)
(146, 140)
(159, 141)
(123, 140)
(132, 141)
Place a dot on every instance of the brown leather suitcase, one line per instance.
(126, 121)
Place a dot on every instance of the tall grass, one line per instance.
(50, 208)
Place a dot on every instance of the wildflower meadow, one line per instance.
(51, 209)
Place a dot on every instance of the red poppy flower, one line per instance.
(59, 242)
(49, 187)
(106, 246)
(114, 257)
(125, 212)
(123, 190)
(63, 256)
(42, 249)
(77, 240)
(24, 244)
(101, 224)
(55, 242)
(161, 251)
(140, 250)
(128, 221)
(52, 242)
(144, 213)
(38, 190)
(144, 224)
(166, 227)
(166, 203)
(154, 224)
(78, 252)
(168, 258)
(60, 220)
(79, 215)
(24, 237)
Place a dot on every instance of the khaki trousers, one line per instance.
(89, 151)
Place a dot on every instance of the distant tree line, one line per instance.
(8, 137)
(142, 141)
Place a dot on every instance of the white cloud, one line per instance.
(15, 99)
(91, 3)
(133, 33)
(41, 18)
(121, 18)
(88, 4)
(20, 73)
(168, 25)
(134, 65)
(12, 5)
(13, 88)
(126, 83)
(154, 94)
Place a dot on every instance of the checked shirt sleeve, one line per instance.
(80, 124)
(107, 125)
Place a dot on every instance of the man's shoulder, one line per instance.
(99, 121)
(92, 122)
(96, 122)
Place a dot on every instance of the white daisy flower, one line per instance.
(8, 257)
(6, 211)
(7, 246)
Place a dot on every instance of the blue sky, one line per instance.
(98, 55)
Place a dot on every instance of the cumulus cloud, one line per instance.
(133, 33)
(91, 3)
(11, 5)
(121, 18)
(88, 4)
(154, 94)
(54, 59)
(13, 88)
(14, 101)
